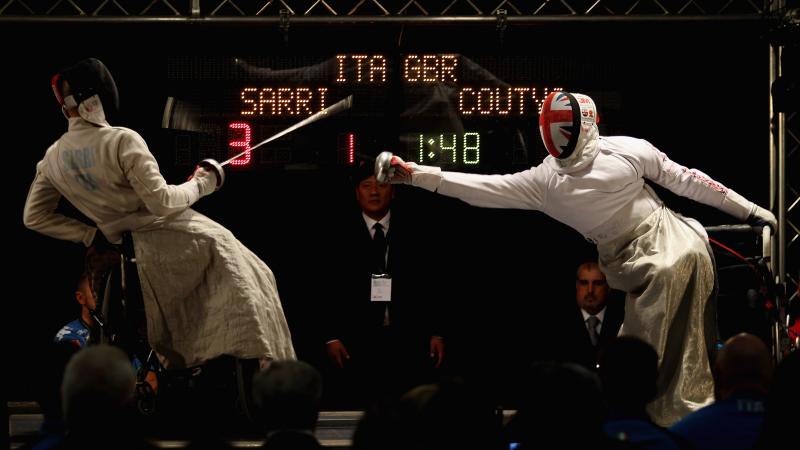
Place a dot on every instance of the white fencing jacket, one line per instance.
(109, 175)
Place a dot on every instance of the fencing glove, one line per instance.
(206, 181)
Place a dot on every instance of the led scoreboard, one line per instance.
(432, 108)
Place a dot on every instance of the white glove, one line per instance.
(426, 177)
(206, 181)
(761, 216)
(400, 171)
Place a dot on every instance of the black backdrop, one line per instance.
(698, 91)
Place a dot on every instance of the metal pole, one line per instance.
(773, 123)
(781, 266)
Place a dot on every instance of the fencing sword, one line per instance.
(211, 164)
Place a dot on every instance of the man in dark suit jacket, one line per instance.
(379, 329)
(598, 315)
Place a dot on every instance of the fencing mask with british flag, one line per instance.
(567, 123)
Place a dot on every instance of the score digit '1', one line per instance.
(470, 147)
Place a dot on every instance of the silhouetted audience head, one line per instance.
(449, 414)
(288, 395)
(562, 406)
(629, 373)
(98, 384)
(744, 364)
(380, 427)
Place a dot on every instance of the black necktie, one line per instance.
(379, 249)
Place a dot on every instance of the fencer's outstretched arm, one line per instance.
(521, 190)
(696, 185)
(160, 198)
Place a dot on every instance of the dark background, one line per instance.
(697, 91)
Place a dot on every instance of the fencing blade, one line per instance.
(336, 108)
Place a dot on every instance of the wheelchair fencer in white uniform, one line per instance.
(595, 184)
(204, 293)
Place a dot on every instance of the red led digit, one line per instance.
(240, 145)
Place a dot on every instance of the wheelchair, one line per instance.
(223, 384)
(119, 314)
(751, 298)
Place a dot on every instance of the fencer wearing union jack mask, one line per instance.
(567, 124)
(595, 184)
(195, 274)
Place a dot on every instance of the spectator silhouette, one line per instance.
(629, 376)
(742, 371)
(288, 395)
(449, 414)
(380, 427)
(555, 394)
(97, 390)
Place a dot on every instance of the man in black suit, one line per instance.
(380, 330)
(598, 317)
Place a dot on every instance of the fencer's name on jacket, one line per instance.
(76, 162)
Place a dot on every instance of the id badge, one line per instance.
(381, 288)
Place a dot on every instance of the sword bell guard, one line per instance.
(383, 167)
(212, 165)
